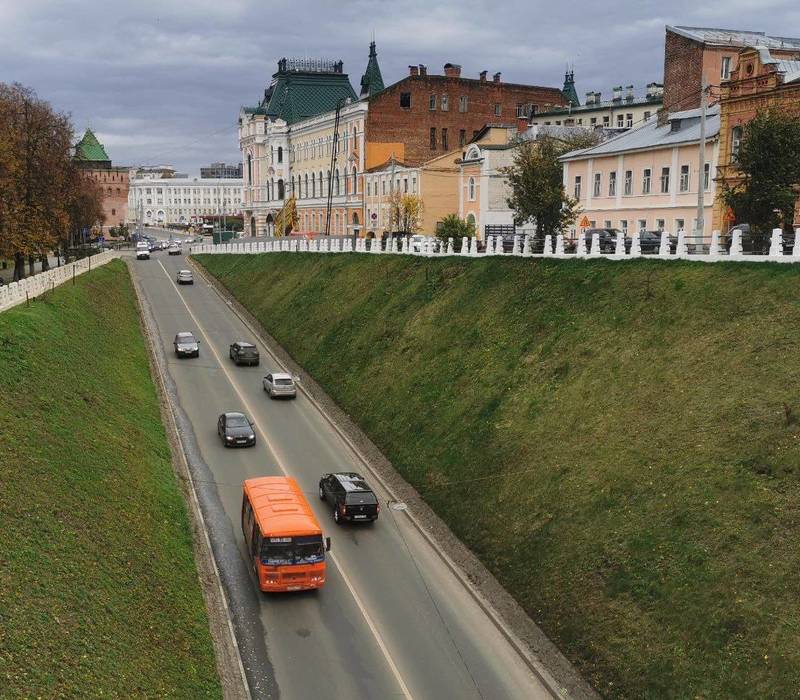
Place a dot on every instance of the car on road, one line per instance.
(244, 353)
(185, 277)
(350, 497)
(754, 244)
(607, 238)
(280, 385)
(186, 345)
(650, 242)
(142, 251)
(236, 430)
(174, 249)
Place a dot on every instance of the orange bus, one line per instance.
(283, 538)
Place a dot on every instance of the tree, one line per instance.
(536, 182)
(406, 212)
(453, 226)
(769, 162)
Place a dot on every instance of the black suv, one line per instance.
(349, 496)
(244, 353)
(607, 239)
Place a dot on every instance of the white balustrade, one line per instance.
(636, 245)
(776, 243)
(619, 248)
(595, 249)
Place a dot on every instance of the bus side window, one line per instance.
(255, 544)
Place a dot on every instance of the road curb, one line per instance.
(216, 600)
(576, 688)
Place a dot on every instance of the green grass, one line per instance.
(618, 442)
(99, 595)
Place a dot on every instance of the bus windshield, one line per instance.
(277, 551)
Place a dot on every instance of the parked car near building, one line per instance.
(755, 244)
(607, 238)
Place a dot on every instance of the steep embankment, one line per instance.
(617, 441)
(99, 595)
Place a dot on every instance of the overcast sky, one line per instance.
(161, 81)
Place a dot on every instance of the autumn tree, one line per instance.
(536, 182)
(406, 212)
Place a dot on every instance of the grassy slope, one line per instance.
(99, 594)
(647, 512)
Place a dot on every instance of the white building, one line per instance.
(182, 200)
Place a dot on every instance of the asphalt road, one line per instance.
(392, 621)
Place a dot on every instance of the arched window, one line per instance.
(736, 142)
(355, 180)
(249, 169)
(471, 189)
(305, 189)
(313, 186)
(280, 154)
(281, 191)
(471, 221)
(329, 182)
(336, 183)
(321, 187)
(292, 192)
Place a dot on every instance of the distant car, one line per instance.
(280, 384)
(754, 244)
(185, 277)
(236, 430)
(186, 345)
(142, 251)
(174, 250)
(607, 238)
(163, 245)
(244, 353)
(650, 242)
(349, 496)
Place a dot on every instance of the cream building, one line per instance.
(648, 177)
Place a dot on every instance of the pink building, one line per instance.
(648, 177)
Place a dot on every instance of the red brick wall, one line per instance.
(387, 122)
(683, 70)
(114, 183)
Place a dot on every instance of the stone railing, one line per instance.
(554, 247)
(29, 288)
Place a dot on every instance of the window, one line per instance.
(383, 186)
(498, 109)
(612, 184)
(463, 103)
(593, 121)
(433, 138)
(280, 154)
(471, 189)
(369, 188)
(607, 223)
(520, 111)
(113, 212)
(664, 180)
(646, 116)
(706, 176)
(679, 224)
(405, 100)
(620, 120)
(413, 185)
(597, 184)
(660, 224)
(684, 184)
(642, 224)
(606, 120)
(281, 192)
(736, 142)
(405, 185)
(646, 181)
(577, 187)
(432, 102)
(462, 137)
(725, 68)
(629, 120)
(444, 139)
(623, 224)
(445, 103)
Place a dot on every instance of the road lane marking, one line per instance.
(281, 466)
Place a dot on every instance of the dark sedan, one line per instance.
(244, 353)
(236, 430)
(607, 238)
(650, 242)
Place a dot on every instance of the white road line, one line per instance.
(395, 671)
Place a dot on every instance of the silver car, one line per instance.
(186, 345)
(280, 384)
(185, 277)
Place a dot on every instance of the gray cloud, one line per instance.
(162, 81)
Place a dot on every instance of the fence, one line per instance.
(553, 247)
(29, 288)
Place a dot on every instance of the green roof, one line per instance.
(89, 148)
(569, 92)
(304, 89)
(372, 80)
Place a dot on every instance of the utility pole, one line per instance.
(334, 149)
(701, 176)
(391, 198)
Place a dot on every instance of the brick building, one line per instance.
(423, 115)
(693, 55)
(113, 181)
(760, 80)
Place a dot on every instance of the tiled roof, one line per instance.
(89, 148)
(734, 37)
(295, 96)
(372, 80)
(652, 135)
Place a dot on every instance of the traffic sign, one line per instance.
(585, 222)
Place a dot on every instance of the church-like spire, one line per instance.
(569, 92)
(372, 80)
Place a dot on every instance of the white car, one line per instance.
(279, 384)
(142, 250)
(174, 249)
(185, 277)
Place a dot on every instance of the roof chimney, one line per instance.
(617, 93)
(598, 98)
(629, 93)
(452, 70)
(483, 76)
(423, 69)
(413, 70)
(589, 98)
(496, 77)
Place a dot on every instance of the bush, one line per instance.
(453, 226)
